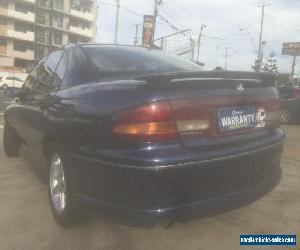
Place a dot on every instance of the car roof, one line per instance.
(108, 44)
(112, 46)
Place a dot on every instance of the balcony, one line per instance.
(26, 55)
(3, 50)
(83, 15)
(3, 29)
(3, 11)
(29, 16)
(81, 32)
(27, 1)
(27, 36)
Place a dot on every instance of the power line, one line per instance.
(132, 11)
(250, 37)
(194, 28)
(166, 9)
(165, 20)
(122, 7)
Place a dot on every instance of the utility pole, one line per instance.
(136, 39)
(226, 58)
(199, 40)
(156, 4)
(260, 45)
(293, 68)
(117, 21)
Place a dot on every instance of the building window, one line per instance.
(57, 38)
(73, 39)
(2, 42)
(2, 46)
(83, 6)
(41, 17)
(3, 3)
(58, 4)
(81, 25)
(20, 46)
(3, 27)
(43, 3)
(58, 21)
(3, 21)
(24, 8)
(40, 35)
(39, 52)
(22, 27)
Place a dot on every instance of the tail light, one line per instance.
(161, 121)
(149, 122)
(272, 107)
(155, 121)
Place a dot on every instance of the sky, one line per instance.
(224, 20)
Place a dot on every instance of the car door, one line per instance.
(15, 113)
(37, 104)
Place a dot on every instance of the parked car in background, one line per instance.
(10, 81)
(138, 132)
(290, 97)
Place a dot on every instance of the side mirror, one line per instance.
(12, 92)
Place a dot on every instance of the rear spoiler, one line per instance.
(267, 80)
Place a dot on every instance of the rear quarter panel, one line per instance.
(83, 116)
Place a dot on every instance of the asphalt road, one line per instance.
(26, 221)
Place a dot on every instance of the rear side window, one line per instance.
(122, 60)
(47, 70)
(78, 68)
(31, 81)
(53, 60)
(58, 75)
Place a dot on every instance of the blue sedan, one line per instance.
(140, 133)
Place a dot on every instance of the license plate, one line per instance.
(234, 118)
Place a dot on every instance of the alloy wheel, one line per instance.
(57, 184)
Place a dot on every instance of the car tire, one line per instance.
(60, 198)
(11, 141)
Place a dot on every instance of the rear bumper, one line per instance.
(158, 192)
(184, 213)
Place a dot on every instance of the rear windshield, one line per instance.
(113, 60)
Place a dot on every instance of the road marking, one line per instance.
(1, 126)
(1, 114)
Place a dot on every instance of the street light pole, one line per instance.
(156, 4)
(136, 39)
(293, 68)
(226, 58)
(117, 21)
(259, 54)
(199, 41)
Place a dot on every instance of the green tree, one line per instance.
(270, 66)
